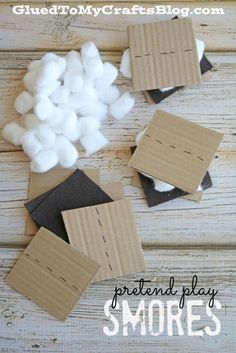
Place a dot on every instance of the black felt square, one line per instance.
(155, 197)
(76, 191)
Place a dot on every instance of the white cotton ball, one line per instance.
(75, 101)
(93, 67)
(53, 59)
(13, 133)
(108, 77)
(45, 135)
(48, 89)
(73, 134)
(90, 92)
(139, 136)
(86, 97)
(35, 65)
(62, 64)
(51, 71)
(24, 102)
(125, 67)
(30, 80)
(92, 63)
(161, 186)
(73, 61)
(55, 117)
(89, 81)
(60, 95)
(88, 124)
(31, 144)
(66, 152)
(96, 109)
(73, 80)
(108, 95)
(122, 106)
(48, 57)
(68, 122)
(200, 48)
(43, 107)
(93, 142)
(30, 121)
(44, 161)
(89, 50)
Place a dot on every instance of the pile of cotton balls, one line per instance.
(65, 101)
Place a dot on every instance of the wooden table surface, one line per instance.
(179, 238)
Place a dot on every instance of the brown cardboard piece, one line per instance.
(40, 183)
(197, 196)
(114, 190)
(163, 54)
(52, 274)
(176, 151)
(107, 233)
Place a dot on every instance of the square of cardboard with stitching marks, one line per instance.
(176, 151)
(107, 233)
(163, 54)
(52, 274)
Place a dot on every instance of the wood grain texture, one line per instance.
(68, 31)
(211, 104)
(25, 327)
(211, 222)
(164, 230)
(180, 222)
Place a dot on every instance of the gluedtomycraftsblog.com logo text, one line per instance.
(113, 10)
(189, 315)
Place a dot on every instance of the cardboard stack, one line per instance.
(100, 227)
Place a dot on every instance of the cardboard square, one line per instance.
(176, 151)
(107, 233)
(76, 191)
(114, 190)
(163, 54)
(156, 96)
(52, 274)
(42, 184)
(196, 197)
(155, 197)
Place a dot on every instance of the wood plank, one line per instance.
(27, 32)
(212, 104)
(212, 222)
(181, 222)
(25, 327)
